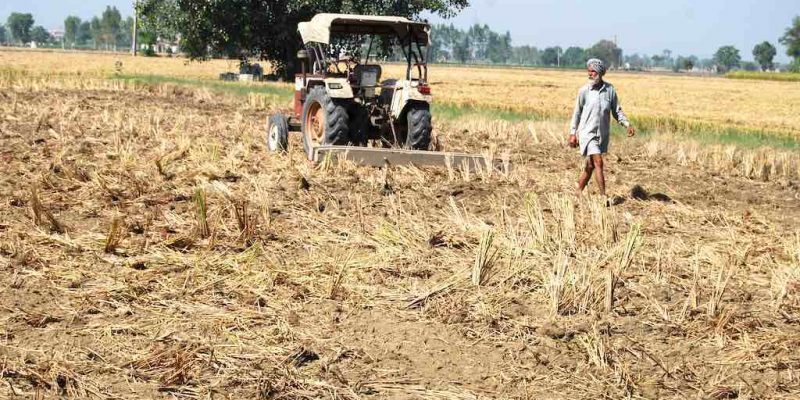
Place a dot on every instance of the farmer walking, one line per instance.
(590, 127)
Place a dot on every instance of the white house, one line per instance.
(57, 34)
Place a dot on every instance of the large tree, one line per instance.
(20, 26)
(3, 38)
(526, 55)
(791, 39)
(764, 53)
(573, 57)
(125, 32)
(71, 26)
(607, 51)
(268, 28)
(499, 48)
(96, 29)
(551, 56)
(727, 58)
(462, 48)
(40, 35)
(84, 34)
(110, 26)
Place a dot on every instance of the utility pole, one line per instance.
(558, 56)
(135, 26)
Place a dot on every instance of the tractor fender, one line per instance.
(405, 92)
(338, 88)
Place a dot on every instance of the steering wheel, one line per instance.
(349, 62)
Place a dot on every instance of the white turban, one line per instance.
(596, 65)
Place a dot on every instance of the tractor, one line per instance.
(340, 99)
(343, 107)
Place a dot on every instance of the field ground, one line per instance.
(150, 246)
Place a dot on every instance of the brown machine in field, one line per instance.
(342, 107)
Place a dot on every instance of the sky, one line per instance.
(686, 27)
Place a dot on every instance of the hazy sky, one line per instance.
(684, 26)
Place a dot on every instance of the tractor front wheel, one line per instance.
(277, 133)
(419, 125)
(324, 121)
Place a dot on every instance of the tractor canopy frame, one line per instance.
(412, 37)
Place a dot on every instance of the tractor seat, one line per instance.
(368, 75)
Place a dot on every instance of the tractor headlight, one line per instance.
(334, 85)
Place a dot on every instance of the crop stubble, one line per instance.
(191, 262)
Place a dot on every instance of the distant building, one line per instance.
(163, 46)
(57, 34)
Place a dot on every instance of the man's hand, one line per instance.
(572, 141)
(631, 131)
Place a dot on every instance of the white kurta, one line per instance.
(591, 121)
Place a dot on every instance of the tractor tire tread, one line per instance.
(419, 127)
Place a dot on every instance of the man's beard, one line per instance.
(595, 81)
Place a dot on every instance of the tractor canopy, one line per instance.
(319, 29)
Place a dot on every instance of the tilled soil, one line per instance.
(340, 281)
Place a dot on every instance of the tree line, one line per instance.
(20, 28)
(479, 44)
(107, 31)
(267, 29)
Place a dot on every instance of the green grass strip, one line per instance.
(233, 88)
(764, 76)
(703, 132)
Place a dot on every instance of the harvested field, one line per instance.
(151, 247)
(663, 103)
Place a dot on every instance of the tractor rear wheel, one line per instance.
(324, 121)
(418, 122)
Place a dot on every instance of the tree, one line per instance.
(159, 19)
(667, 55)
(3, 38)
(96, 29)
(526, 55)
(707, 63)
(110, 26)
(479, 40)
(71, 26)
(498, 50)
(440, 42)
(268, 28)
(125, 32)
(791, 39)
(551, 56)
(764, 53)
(727, 58)
(573, 57)
(607, 51)
(462, 48)
(20, 26)
(84, 34)
(40, 35)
